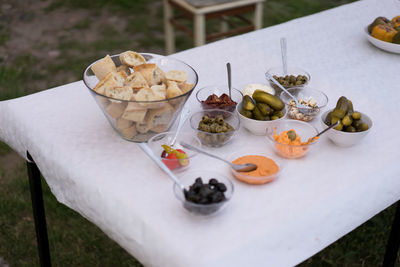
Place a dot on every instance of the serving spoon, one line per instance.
(185, 113)
(324, 131)
(247, 167)
(228, 68)
(284, 55)
(160, 164)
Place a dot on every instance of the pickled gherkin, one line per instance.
(257, 114)
(347, 120)
(356, 115)
(248, 103)
(350, 120)
(264, 97)
(246, 113)
(264, 109)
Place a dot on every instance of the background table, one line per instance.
(317, 199)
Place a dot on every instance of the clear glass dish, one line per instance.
(165, 139)
(302, 129)
(215, 139)
(203, 209)
(164, 112)
(291, 70)
(306, 94)
(218, 90)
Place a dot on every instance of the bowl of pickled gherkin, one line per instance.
(260, 111)
(214, 127)
(353, 125)
(295, 77)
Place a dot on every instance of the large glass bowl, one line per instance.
(167, 109)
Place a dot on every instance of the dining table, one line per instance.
(316, 200)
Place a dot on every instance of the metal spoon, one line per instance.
(228, 68)
(269, 76)
(247, 167)
(185, 113)
(284, 55)
(160, 164)
(324, 131)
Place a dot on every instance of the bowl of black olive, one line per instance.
(206, 192)
(215, 127)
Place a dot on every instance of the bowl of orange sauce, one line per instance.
(292, 138)
(268, 169)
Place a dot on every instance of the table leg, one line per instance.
(38, 212)
(393, 244)
(169, 28)
(199, 30)
(258, 14)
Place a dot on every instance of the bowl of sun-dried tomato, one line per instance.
(217, 97)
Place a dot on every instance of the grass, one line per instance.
(73, 240)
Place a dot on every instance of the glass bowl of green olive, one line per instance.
(295, 77)
(215, 127)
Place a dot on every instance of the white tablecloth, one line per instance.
(316, 200)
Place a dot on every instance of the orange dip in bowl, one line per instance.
(266, 169)
(289, 144)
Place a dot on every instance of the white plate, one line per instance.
(390, 47)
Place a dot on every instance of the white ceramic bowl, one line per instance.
(257, 127)
(346, 139)
(389, 47)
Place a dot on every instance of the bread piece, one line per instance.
(160, 90)
(147, 94)
(177, 76)
(124, 68)
(104, 66)
(185, 87)
(135, 115)
(156, 117)
(136, 81)
(130, 132)
(158, 76)
(132, 59)
(147, 71)
(120, 93)
(105, 83)
(115, 110)
(173, 89)
(123, 123)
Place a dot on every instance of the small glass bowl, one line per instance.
(165, 139)
(304, 114)
(258, 127)
(303, 129)
(215, 139)
(256, 180)
(203, 209)
(218, 90)
(291, 70)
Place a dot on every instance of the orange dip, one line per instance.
(289, 144)
(265, 167)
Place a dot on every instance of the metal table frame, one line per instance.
(39, 215)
